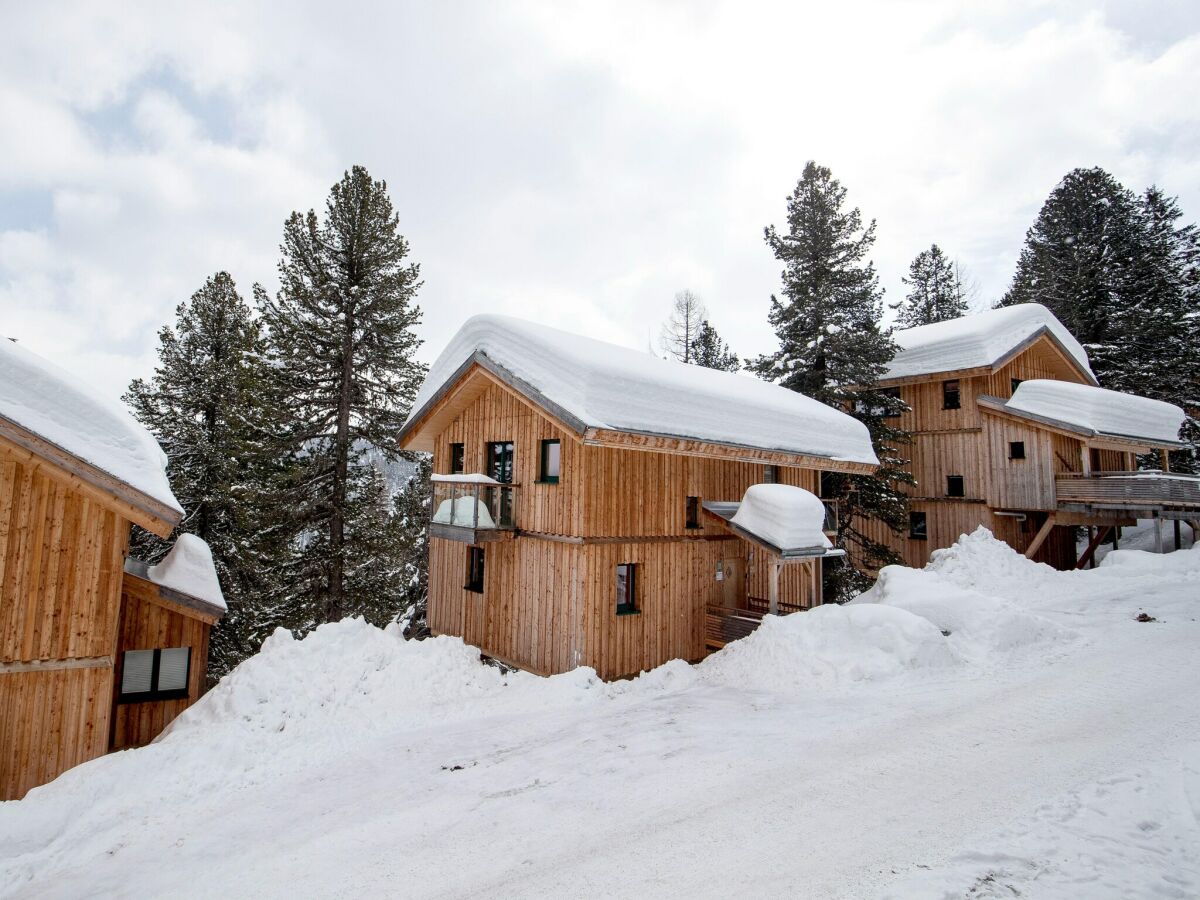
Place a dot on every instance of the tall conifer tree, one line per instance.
(710, 351)
(341, 333)
(209, 406)
(832, 348)
(935, 292)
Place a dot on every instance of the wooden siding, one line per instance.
(150, 624)
(940, 454)
(1018, 483)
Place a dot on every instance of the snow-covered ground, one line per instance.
(984, 727)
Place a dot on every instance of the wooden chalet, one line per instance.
(1010, 431)
(585, 493)
(97, 651)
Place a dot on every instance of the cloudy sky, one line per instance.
(571, 163)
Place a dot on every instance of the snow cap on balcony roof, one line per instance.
(1098, 410)
(978, 340)
(602, 385)
(783, 515)
(41, 398)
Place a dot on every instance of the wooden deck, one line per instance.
(726, 623)
(1162, 492)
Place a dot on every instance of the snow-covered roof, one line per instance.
(594, 384)
(1099, 411)
(980, 340)
(187, 569)
(784, 516)
(55, 406)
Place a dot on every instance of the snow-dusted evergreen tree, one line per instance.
(682, 327)
(935, 291)
(342, 339)
(208, 405)
(710, 351)
(410, 522)
(832, 348)
(1083, 260)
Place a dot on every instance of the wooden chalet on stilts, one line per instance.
(1010, 431)
(585, 498)
(97, 651)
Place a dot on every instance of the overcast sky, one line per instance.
(571, 163)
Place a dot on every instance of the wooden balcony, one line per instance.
(472, 511)
(723, 624)
(1161, 493)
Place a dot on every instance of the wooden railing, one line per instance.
(727, 623)
(1134, 489)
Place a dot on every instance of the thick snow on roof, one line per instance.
(977, 340)
(54, 405)
(607, 386)
(788, 517)
(1100, 410)
(189, 569)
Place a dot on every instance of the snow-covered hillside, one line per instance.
(982, 727)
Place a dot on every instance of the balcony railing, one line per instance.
(1130, 489)
(472, 508)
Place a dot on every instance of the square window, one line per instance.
(457, 459)
(770, 474)
(1016, 449)
(950, 395)
(626, 589)
(917, 526)
(155, 674)
(954, 486)
(693, 512)
(474, 570)
(551, 462)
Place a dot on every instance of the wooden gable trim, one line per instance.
(1100, 440)
(462, 388)
(662, 443)
(96, 484)
(148, 591)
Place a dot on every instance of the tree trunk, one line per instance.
(341, 463)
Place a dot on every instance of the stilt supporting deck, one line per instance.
(773, 588)
(1040, 537)
(1158, 541)
(1097, 539)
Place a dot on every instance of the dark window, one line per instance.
(1016, 449)
(501, 466)
(457, 459)
(770, 474)
(916, 526)
(155, 674)
(893, 410)
(626, 589)
(474, 570)
(954, 486)
(693, 512)
(950, 398)
(1016, 383)
(551, 462)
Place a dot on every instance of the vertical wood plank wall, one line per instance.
(146, 625)
(549, 599)
(61, 557)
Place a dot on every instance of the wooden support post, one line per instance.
(1158, 541)
(1166, 456)
(1178, 535)
(1089, 555)
(1040, 537)
(773, 588)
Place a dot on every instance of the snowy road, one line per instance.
(913, 785)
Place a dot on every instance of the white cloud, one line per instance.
(573, 163)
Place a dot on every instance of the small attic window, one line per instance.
(1016, 449)
(950, 395)
(693, 512)
(457, 459)
(954, 486)
(550, 462)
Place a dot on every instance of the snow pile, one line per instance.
(1098, 410)
(785, 516)
(189, 569)
(602, 385)
(54, 405)
(978, 340)
(1135, 562)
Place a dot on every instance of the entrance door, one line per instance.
(734, 570)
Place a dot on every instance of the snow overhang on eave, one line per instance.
(995, 404)
(725, 510)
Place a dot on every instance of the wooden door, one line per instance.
(734, 570)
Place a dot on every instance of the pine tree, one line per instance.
(209, 408)
(710, 351)
(1082, 260)
(832, 348)
(680, 330)
(341, 334)
(936, 293)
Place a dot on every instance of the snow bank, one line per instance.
(189, 569)
(788, 517)
(1098, 410)
(54, 405)
(977, 340)
(606, 386)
